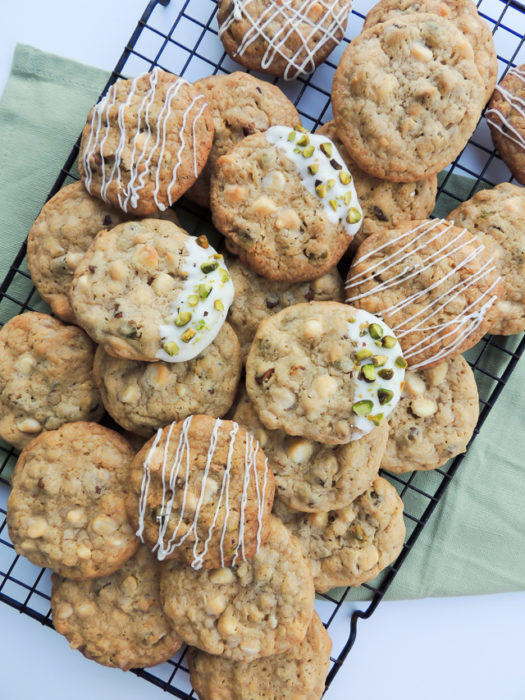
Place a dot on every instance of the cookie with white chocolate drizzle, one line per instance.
(435, 284)
(286, 202)
(287, 39)
(506, 118)
(325, 371)
(201, 491)
(146, 290)
(145, 142)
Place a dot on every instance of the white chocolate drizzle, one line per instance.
(290, 19)
(178, 472)
(384, 392)
(149, 140)
(444, 335)
(200, 308)
(499, 121)
(320, 167)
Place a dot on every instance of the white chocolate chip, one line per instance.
(423, 406)
(318, 519)
(421, 53)
(29, 425)
(210, 489)
(147, 255)
(266, 601)
(339, 527)
(36, 527)
(251, 646)
(216, 604)
(158, 374)
(83, 283)
(289, 219)
(222, 576)
(283, 397)
(86, 609)
(103, 525)
(300, 450)
(118, 270)
(227, 625)
(324, 386)
(234, 193)
(83, 552)
(414, 385)
(129, 585)
(76, 517)
(313, 330)
(163, 283)
(436, 375)
(72, 260)
(336, 353)
(273, 182)
(272, 621)
(64, 611)
(130, 394)
(181, 390)
(25, 364)
(263, 206)
(368, 558)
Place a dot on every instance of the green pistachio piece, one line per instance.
(193, 300)
(183, 318)
(386, 373)
(330, 183)
(354, 215)
(308, 151)
(313, 168)
(203, 241)
(291, 136)
(224, 275)
(327, 149)
(375, 331)
(369, 373)
(389, 341)
(301, 129)
(377, 419)
(171, 348)
(333, 204)
(401, 362)
(363, 408)
(347, 198)
(384, 396)
(379, 360)
(205, 289)
(209, 266)
(218, 305)
(363, 354)
(303, 140)
(322, 190)
(188, 335)
(345, 177)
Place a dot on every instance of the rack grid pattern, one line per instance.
(183, 38)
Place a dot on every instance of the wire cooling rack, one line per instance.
(182, 38)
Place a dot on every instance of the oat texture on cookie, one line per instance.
(145, 142)
(201, 491)
(324, 371)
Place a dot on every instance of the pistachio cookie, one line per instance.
(299, 672)
(259, 607)
(434, 283)
(116, 620)
(506, 118)
(497, 217)
(145, 396)
(145, 142)
(350, 546)
(407, 96)
(325, 371)
(146, 290)
(313, 477)
(67, 506)
(240, 105)
(463, 14)
(286, 203)
(45, 377)
(60, 237)
(434, 419)
(257, 297)
(385, 204)
(287, 39)
(201, 491)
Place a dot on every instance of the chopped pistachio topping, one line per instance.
(347, 198)
(384, 396)
(183, 318)
(188, 335)
(207, 267)
(375, 331)
(389, 341)
(313, 168)
(301, 129)
(327, 149)
(322, 190)
(345, 177)
(171, 348)
(308, 151)
(218, 305)
(203, 241)
(193, 300)
(224, 275)
(204, 289)
(330, 183)
(377, 419)
(363, 408)
(386, 373)
(369, 372)
(354, 215)
(291, 136)
(333, 204)
(363, 354)
(303, 140)
(379, 360)
(401, 362)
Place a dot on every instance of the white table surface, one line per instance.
(434, 649)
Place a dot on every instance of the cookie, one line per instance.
(257, 297)
(201, 491)
(313, 477)
(497, 217)
(324, 371)
(240, 105)
(145, 142)
(260, 607)
(60, 237)
(434, 419)
(350, 546)
(45, 377)
(145, 396)
(116, 620)
(66, 509)
(286, 203)
(288, 39)
(407, 96)
(146, 290)
(435, 284)
(299, 672)
(385, 204)
(463, 14)
(506, 118)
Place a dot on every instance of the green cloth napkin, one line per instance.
(474, 541)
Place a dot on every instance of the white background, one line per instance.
(456, 648)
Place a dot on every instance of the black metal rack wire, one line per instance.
(184, 40)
